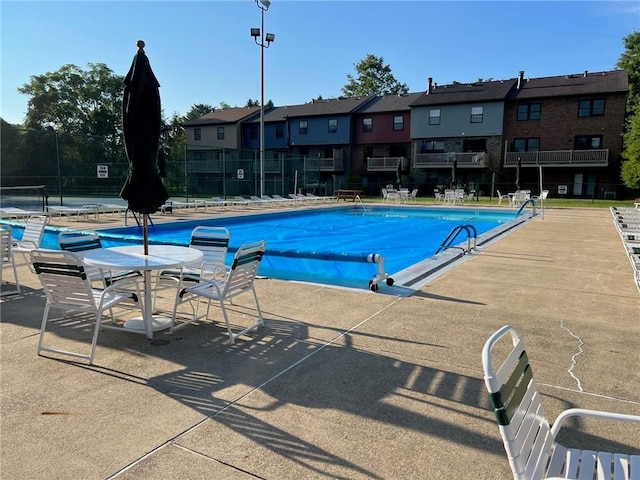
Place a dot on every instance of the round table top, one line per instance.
(133, 257)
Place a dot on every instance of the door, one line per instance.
(577, 184)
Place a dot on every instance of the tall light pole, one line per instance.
(265, 42)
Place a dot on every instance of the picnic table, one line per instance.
(344, 194)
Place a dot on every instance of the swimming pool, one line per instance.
(330, 245)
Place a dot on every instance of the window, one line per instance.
(477, 114)
(279, 130)
(526, 144)
(367, 124)
(432, 146)
(199, 156)
(220, 133)
(333, 125)
(591, 108)
(398, 122)
(197, 134)
(253, 132)
(303, 127)
(588, 142)
(528, 111)
(434, 116)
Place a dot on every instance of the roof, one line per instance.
(466, 93)
(228, 115)
(616, 81)
(390, 103)
(316, 108)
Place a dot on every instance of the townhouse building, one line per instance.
(461, 123)
(569, 127)
(381, 147)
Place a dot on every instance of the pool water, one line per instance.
(329, 245)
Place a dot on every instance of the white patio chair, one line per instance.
(502, 197)
(31, 237)
(213, 242)
(529, 440)
(68, 288)
(8, 260)
(79, 244)
(239, 280)
(438, 196)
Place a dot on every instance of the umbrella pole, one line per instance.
(145, 234)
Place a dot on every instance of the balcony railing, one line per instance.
(465, 160)
(560, 158)
(385, 164)
(315, 164)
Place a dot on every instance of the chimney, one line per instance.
(429, 85)
(520, 79)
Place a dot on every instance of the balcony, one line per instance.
(318, 164)
(560, 158)
(464, 160)
(385, 164)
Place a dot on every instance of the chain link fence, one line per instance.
(96, 166)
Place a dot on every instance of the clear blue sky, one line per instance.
(202, 52)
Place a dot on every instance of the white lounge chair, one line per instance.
(530, 442)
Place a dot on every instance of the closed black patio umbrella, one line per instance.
(518, 165)
(399, 172)
(454, 173)
(141, 118)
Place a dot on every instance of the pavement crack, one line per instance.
(574, 357)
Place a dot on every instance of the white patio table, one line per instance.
(132, 257)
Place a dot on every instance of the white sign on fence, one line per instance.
(103, 171)
(240, 174)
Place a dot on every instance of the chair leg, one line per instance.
(43, 328)
(258, 323)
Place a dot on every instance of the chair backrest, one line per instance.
(414, 193)
(6, 252)
(244, 269)
(213, 242)
(513, 394)
(34, 230)
(63, 278)
(77, 242)
(544, 194)
(499, 194)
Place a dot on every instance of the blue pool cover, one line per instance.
(329, 245)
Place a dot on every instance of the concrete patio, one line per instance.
(341, 384)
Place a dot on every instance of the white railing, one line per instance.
(315, 164)
(384, 164)
(468, 159)
(598, 157)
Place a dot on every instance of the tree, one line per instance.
(252, 103)
(78, 110)
(373, 78)
(197, 110)
(630, 61)
(630, 171)
(75, 101)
